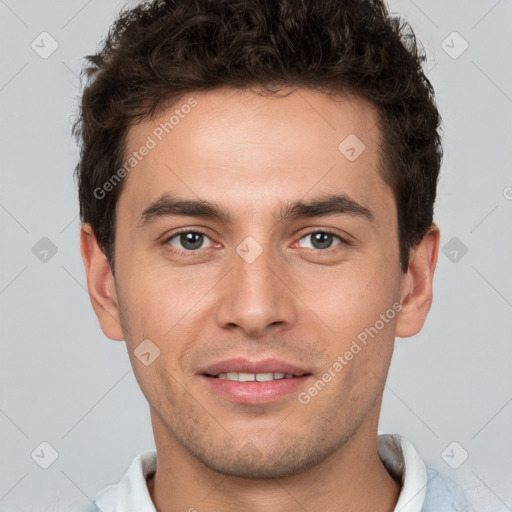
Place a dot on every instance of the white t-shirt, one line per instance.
(423, 489)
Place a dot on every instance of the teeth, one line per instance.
(251, 377)
(262, 377)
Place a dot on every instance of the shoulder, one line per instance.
(443, 494)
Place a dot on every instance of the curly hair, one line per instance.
(160, 50)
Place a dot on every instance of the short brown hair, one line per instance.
(163, 49)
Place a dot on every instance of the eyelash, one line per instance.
(180, 252)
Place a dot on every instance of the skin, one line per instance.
(251, 154)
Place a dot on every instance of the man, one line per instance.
(257, 181)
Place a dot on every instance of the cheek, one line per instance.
(360, 312)
(141, 301)
(351, 298)
(157, 301)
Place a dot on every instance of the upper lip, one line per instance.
(241, 364)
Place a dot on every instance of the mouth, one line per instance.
(254, 377)
(245, 370)
(254, 382)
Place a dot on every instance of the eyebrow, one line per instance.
(327, 205)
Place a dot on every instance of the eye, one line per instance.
(187, 241)
(321, 240)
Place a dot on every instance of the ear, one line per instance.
(416, 295)
(101, 285)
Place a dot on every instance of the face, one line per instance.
(289, 265)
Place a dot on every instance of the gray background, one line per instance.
(63, 382)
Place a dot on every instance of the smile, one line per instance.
(251, 377)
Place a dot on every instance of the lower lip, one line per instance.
(254, 392)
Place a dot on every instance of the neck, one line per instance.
(353, 478)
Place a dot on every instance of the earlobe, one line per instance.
(101, 285)
(417, 284)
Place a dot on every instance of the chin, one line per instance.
(250, 462)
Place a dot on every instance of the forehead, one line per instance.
(247, 150)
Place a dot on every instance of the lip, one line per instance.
(241, 364)
(254, 392)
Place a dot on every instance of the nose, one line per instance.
(256, 296)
